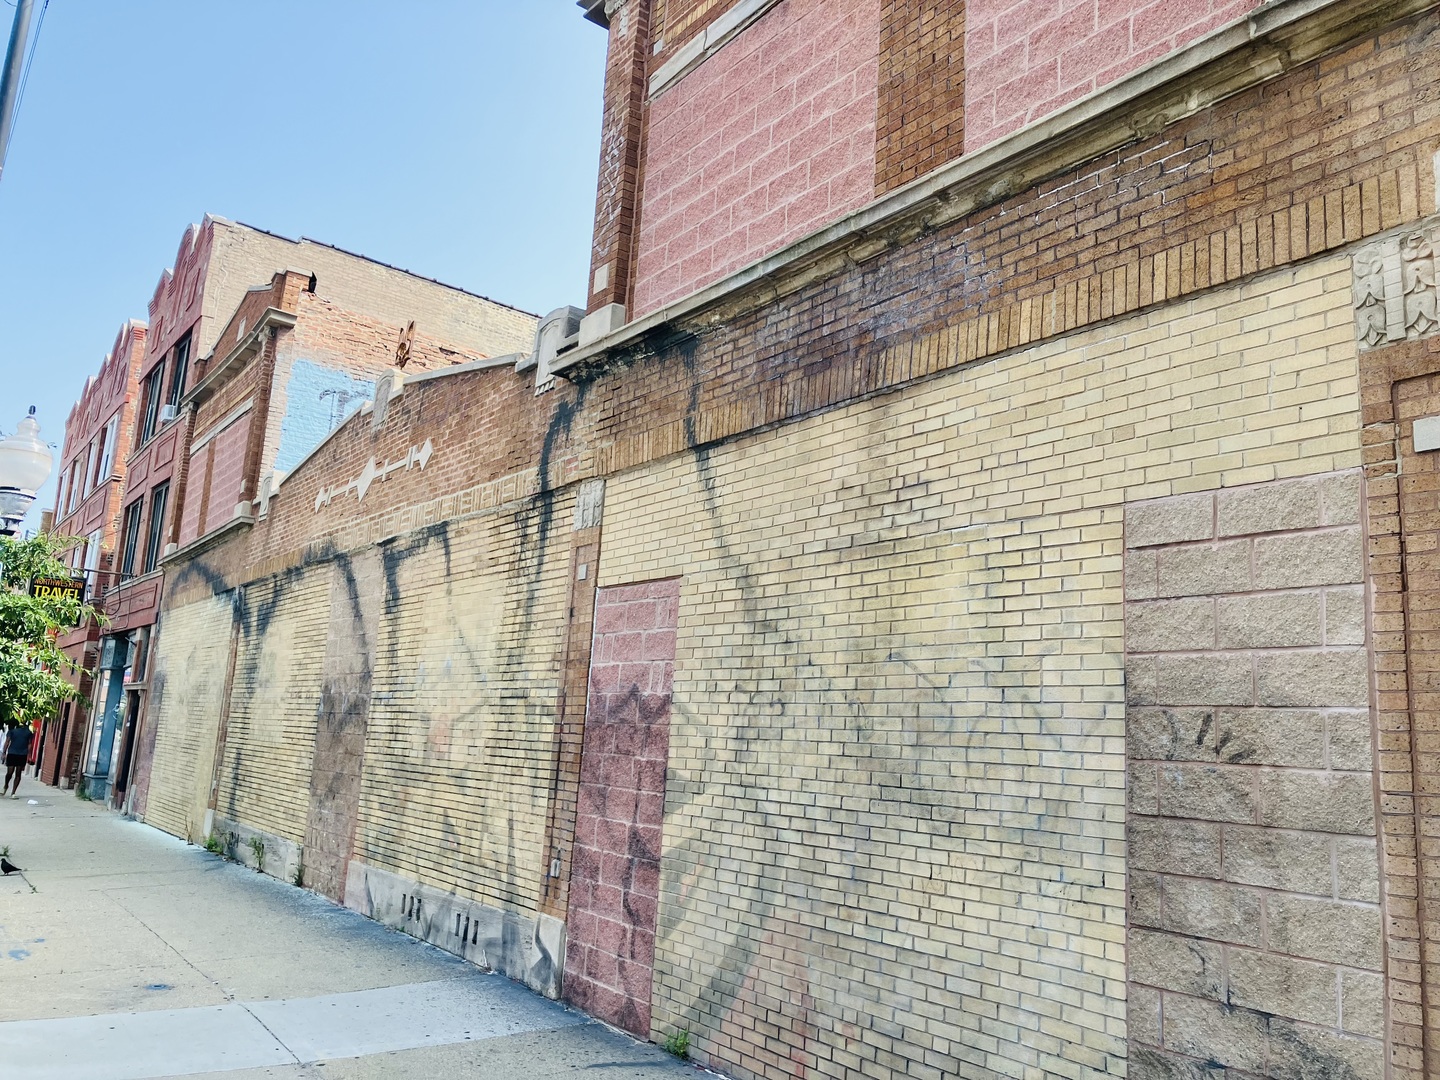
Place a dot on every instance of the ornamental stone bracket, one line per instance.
(1395, 291)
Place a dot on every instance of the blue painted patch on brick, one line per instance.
(317, 400)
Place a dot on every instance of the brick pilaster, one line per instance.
(621, 136)
(1397, 384)
(570, 718)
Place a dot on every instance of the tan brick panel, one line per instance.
(898, 738)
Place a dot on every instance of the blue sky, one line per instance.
(455, 138)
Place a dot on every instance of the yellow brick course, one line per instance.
(459, 757)
(264, 777)
(190, 665)
(895, 815)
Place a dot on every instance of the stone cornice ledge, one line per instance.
(1275, 38)
(218, 375)
(209, 540)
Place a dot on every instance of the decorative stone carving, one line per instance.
(1395, 293)
(1370, 298)
(1417, 263)
(589, 504)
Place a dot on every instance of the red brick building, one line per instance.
(223, 267)
(87, 505)
(289, 366)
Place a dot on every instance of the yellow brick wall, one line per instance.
(459, 756)
(189, 672)
(895, 816)
(270, 739)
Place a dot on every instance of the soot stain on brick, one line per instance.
(343, 714)
(534, 522)
(647, 715)
(940, 714)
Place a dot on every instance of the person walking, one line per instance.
(16, 753)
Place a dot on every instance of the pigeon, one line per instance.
(7, 867)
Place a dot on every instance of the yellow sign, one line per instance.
(58, 588)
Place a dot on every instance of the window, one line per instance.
(60, 494)
(157, 526)
(130, 538)
(74, 485)
(92, 458)
(154, 387)
(180, 369)
(107, 452)
(92, 560)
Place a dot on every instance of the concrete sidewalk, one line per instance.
(140, 956)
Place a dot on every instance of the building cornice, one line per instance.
(219, 374)
(122, 587)
(238, 523)
(1272, 40)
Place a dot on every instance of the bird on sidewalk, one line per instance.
(7, 868)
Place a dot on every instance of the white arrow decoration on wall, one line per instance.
(418, 457)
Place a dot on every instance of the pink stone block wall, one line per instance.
(1026, 58)
(194, 493)
(226, 473)
(615, 875)
(771, 137)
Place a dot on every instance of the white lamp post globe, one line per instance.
(25, 461)
(25, 464)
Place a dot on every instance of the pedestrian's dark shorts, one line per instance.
(15, 761)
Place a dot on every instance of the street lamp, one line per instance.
(25, 464)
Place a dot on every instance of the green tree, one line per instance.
(33, 670)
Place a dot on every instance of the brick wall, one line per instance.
(617, 189)
(108, 395)
(1398, 380)
(179, 297)
(898, 739)
(189, 680)
(227, 472)
(1026, 59)
(218, 261)
(326, 368)
(473, 323)
(136, 603)
(265, 762)
(458, 730)
(615, 873)
(1255, 924)
(1225, 194)
(770, 137)
(920, 112)
(342, 724)
(458, 759)
(675, 22)
(211, 289)
(196, 485)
